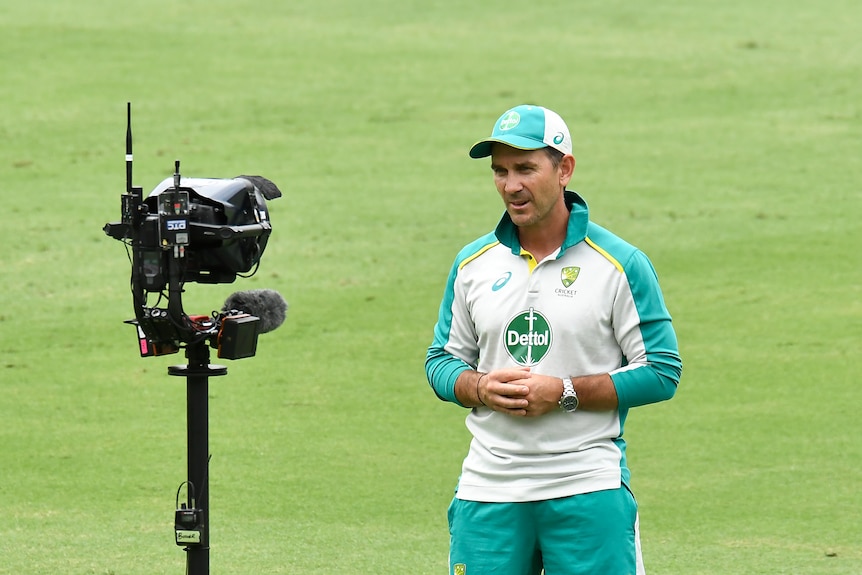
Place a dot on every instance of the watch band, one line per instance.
(569, 400)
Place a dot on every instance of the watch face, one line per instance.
(569, 403)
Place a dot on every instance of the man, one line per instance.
(551, 328)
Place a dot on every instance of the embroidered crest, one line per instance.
(569, 275)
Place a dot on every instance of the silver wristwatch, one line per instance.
(569, 400)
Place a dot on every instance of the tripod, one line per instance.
(193, 524)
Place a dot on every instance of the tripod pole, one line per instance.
(197, 374)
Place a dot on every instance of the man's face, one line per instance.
(529, 184)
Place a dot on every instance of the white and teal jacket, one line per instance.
(592, 307)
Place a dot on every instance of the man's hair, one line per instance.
(555, 155)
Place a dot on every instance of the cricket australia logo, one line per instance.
(569, 275)
(528, 337)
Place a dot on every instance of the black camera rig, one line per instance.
(205, 230)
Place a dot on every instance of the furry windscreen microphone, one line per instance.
(266, 304)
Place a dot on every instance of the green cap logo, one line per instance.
(569, 275)
(509, 120)
(528, 337)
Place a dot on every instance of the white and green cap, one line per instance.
(526, 128)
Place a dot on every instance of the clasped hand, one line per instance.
(519, 392)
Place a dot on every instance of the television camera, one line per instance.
(205, 230)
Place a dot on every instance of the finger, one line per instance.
(508, 389)
(513, 374)
(509, 403)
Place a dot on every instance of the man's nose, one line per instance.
(512, 184)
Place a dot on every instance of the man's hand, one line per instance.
(505, 390)
(520, 392)
(514, 391)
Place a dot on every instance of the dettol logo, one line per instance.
(510, 120)
(528, 337)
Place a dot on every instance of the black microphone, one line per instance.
(266, 304)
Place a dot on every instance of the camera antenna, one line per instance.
(129, 148)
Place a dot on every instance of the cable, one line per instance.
(191, 499)
(252, 272)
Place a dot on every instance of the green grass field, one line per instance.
(723, 138)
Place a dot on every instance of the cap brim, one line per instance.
(482, 149)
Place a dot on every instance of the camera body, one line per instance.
(216, 229)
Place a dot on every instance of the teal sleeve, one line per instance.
(442, 370)
(656, 378)
(441, 367)
(652, 383)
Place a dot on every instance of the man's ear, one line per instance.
(567, 168)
